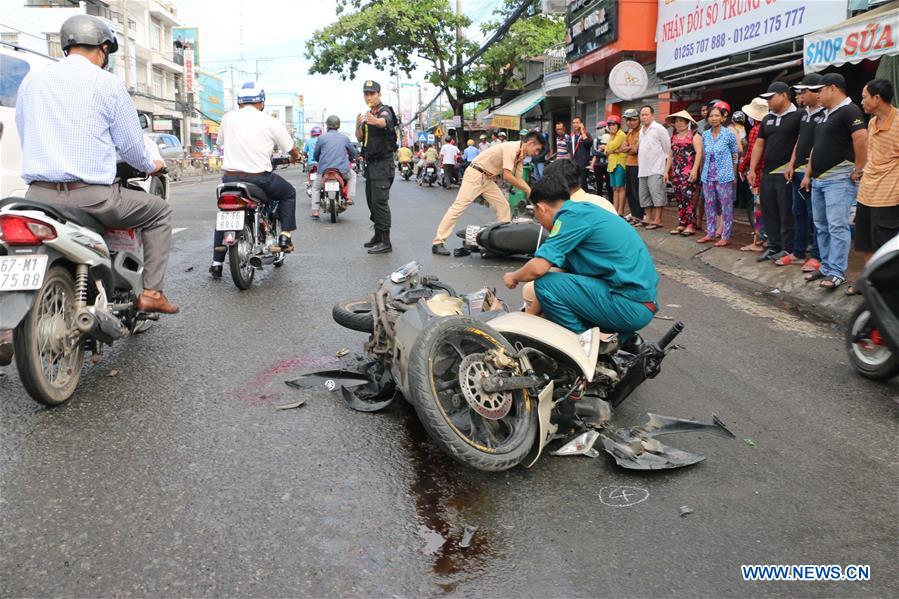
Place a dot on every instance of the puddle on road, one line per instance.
(445, 502)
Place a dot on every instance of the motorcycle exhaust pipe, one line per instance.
(260, 261)
(673, 332)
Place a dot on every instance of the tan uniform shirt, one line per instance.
(500, 157)
(879, 186)
(582, 196)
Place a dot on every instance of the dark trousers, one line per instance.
(632, 187)
(777, 211)
(583, 169)
(378, 179)
(449, 174)
(276, 188)
(805, 224)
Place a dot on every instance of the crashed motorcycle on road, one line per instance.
(493, 387)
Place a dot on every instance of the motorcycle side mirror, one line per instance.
(144, 121)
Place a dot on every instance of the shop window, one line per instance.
(9, 37)
(54, 48)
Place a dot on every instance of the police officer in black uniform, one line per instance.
(376, 130)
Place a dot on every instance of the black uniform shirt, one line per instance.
(779, 133)
(833, 138)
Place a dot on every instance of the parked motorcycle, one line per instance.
(872, 338)
(68, 284)
(251, 226)
(429, 174)
(311, 176)
(333, 194)
(406, 170)
(493, 387)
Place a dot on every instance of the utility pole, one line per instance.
(125, 45)
(460, 132)
(398, 110)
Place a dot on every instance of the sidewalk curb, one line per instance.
(832, 305)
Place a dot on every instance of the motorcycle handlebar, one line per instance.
(280, 161)
(673, 332)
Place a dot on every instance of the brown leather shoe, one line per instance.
(155, 301)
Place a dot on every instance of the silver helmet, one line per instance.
(332, 122)
(86, 30)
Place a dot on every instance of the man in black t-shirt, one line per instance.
(837, 160)
(777, 138)
(809, 101)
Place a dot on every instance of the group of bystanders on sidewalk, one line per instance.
(804, 165)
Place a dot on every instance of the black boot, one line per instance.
(373, 241)
(383, 246)
(440, 249)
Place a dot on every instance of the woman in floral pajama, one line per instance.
(718, 175)
(686, 156)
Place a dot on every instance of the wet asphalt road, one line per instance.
(178, 477)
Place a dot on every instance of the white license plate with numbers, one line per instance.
(22, 273)
(332, 186)
(471, 234)
(229, 220)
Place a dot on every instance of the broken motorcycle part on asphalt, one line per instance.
(368, 388)
(290, 406)
(467, 536)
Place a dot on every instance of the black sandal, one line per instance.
(851, 290)
(814, 276)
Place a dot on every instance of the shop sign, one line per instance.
(591, 25)
(189, 74)
(877, 36)
(628, 80)
(162, 124)
(503, 121)
(700, 30)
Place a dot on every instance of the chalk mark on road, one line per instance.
(622, 496)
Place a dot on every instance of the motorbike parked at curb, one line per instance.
(251, 227)
(68, 284)
(493, 388)
(333, 194)
(872, 339)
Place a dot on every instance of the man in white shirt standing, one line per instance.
(249, 136)
(448, 154)
(653, 161)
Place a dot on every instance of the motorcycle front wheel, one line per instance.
(491, 432)
(239, 259)
(867, 349)
(48, 356)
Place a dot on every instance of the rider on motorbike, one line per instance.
(69, 156)
(309, 146)
(249, 137)
(334, 150)
(430, 157)
(404, 155)
(609, 280)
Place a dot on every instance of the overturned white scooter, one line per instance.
(494, 387)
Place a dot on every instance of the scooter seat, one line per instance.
(60, 212)
(511, 238)
(254, 191)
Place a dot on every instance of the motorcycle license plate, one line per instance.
(312, 176)
(229, 220)
(22, 273)
(471, 234)
(332, 186)
(430, 171)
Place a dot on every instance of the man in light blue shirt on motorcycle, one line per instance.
(309, 146)
(334, 150)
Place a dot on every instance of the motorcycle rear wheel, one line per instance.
(871, 360)
(333, 211)
(239, 259)
(434, 382)
(48, 374)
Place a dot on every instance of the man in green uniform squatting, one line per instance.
(607, 280)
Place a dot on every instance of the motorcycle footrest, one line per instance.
(146, 316)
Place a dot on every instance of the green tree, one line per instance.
(392, 34)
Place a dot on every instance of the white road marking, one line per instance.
(739, 301)
(177, 230)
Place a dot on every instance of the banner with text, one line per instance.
(691, 31)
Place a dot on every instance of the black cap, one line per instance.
(371, 86)
(834, 79)
(812, 81)
(778, 87)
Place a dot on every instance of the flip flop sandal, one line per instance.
(676, 232)
(686, 233)
(851, 290)
(831, 283)
(722, 243)
(653, 227)
(814, 276)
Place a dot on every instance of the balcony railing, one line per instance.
(554, 60)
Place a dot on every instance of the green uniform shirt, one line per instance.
(593, 242)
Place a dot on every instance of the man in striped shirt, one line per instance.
(877, 215)
(563, 143)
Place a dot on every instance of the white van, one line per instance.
(15, 63)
